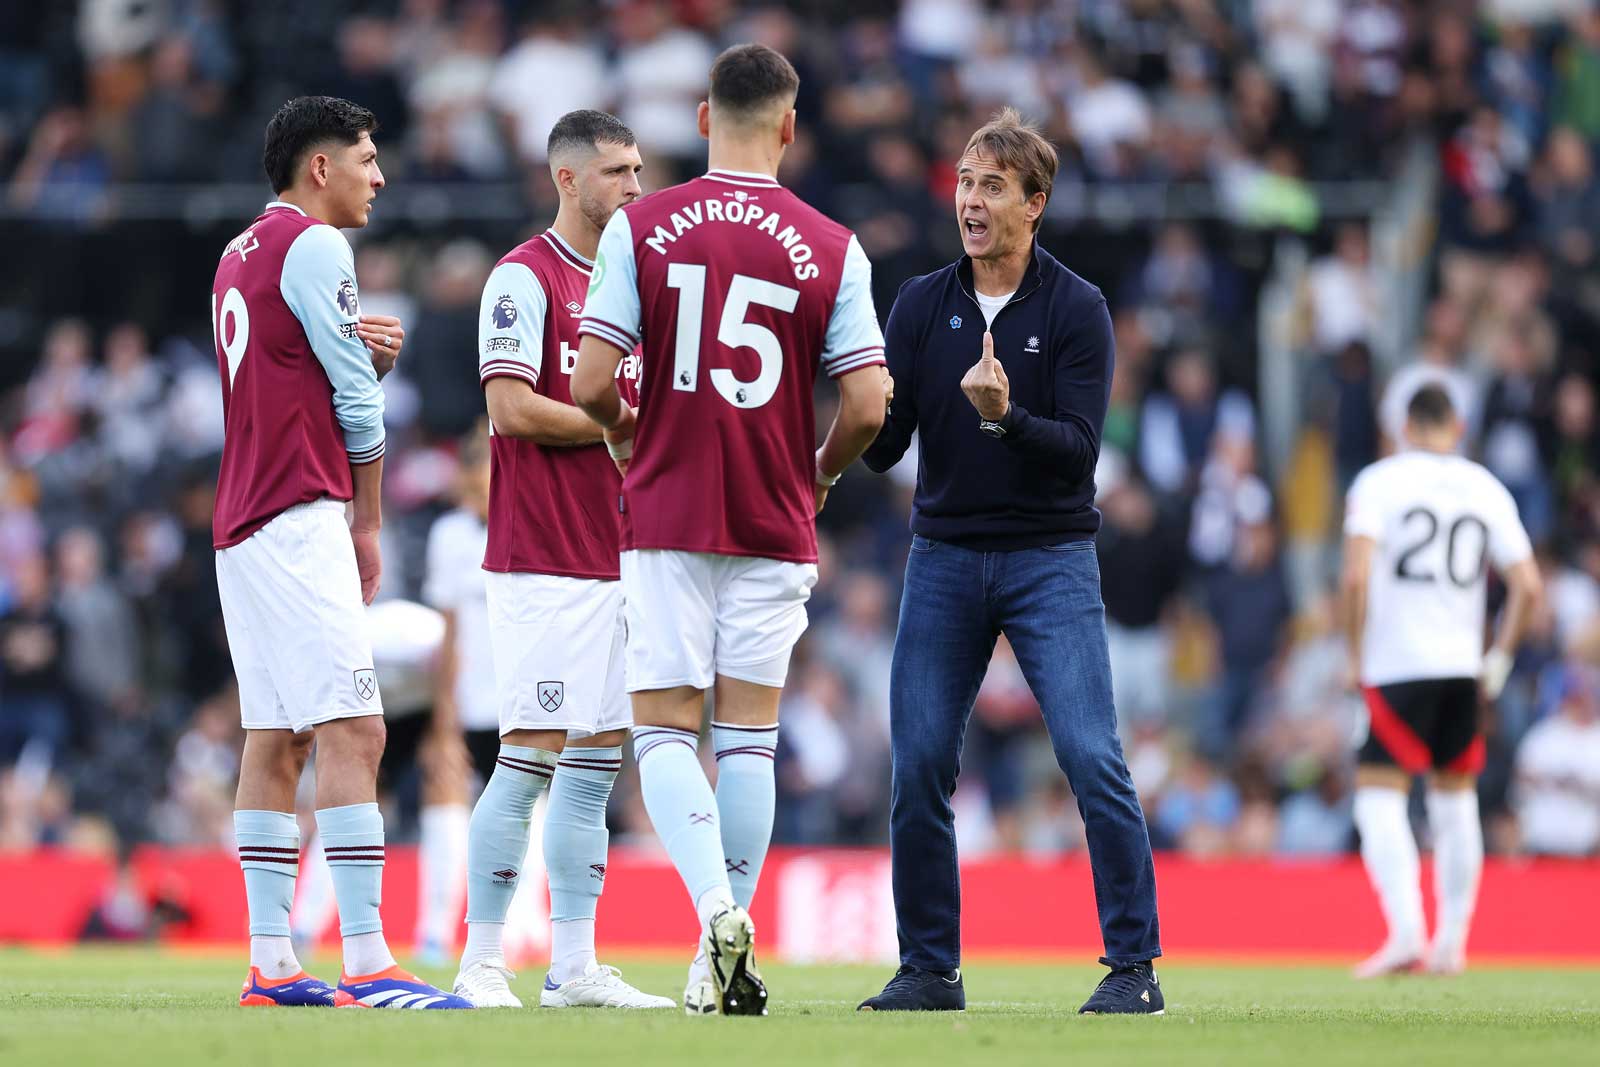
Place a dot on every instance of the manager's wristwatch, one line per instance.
(997, 428)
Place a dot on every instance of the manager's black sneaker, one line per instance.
(913, 990)
(1131, 989)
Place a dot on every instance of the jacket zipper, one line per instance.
(1039, 281)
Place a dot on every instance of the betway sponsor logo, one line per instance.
(836, 909)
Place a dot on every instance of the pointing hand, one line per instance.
(985, 384)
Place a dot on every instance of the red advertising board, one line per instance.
(836, 905)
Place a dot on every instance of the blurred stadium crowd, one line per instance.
(1248, 118)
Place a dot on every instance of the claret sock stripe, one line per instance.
(584, 763)
(748, 750)
(525, 766)
(262, 854)
(353, 854)
(647, 739)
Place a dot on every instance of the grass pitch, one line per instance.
(129, 1008)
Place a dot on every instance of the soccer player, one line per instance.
(555, 601)
(739, 289)
(303, 416)
(1420, 528)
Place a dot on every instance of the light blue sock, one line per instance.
(497, 837)
(352, 840)
(269, 853)
(683, 810)
(746, 797)
(575, 839)
(575, 834)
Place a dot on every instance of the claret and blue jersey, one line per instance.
(551, 510)
(300, 399)
(738, 290)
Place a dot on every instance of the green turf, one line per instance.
(129, 1008)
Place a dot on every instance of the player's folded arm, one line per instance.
(610, 326)
(319, 286)
(518, 410)
(594, 379)
(511, 318)
(360, 414)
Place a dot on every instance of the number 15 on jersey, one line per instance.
(732, 330)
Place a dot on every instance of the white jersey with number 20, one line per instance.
(1438, 521)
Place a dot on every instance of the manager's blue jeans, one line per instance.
(1047, 603)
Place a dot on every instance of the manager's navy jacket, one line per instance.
(1035, 486)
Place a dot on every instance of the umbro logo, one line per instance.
(574, 307)
(1033, 345)
(506, 874)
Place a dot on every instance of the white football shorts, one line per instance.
(557, 646)
(297, 629)
(695, 615)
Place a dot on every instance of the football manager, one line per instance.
(1003, 361)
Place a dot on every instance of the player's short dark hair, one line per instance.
(587, 129)
(1431, 406)
(1019, 148)
(749, 77)
(302, 124)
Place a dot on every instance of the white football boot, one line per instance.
(487, 984)
(699, 994)
(729, 946)
(1446, 957)
(1393, 958)
(599, 986)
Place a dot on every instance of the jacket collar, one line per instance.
(1032, 275)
